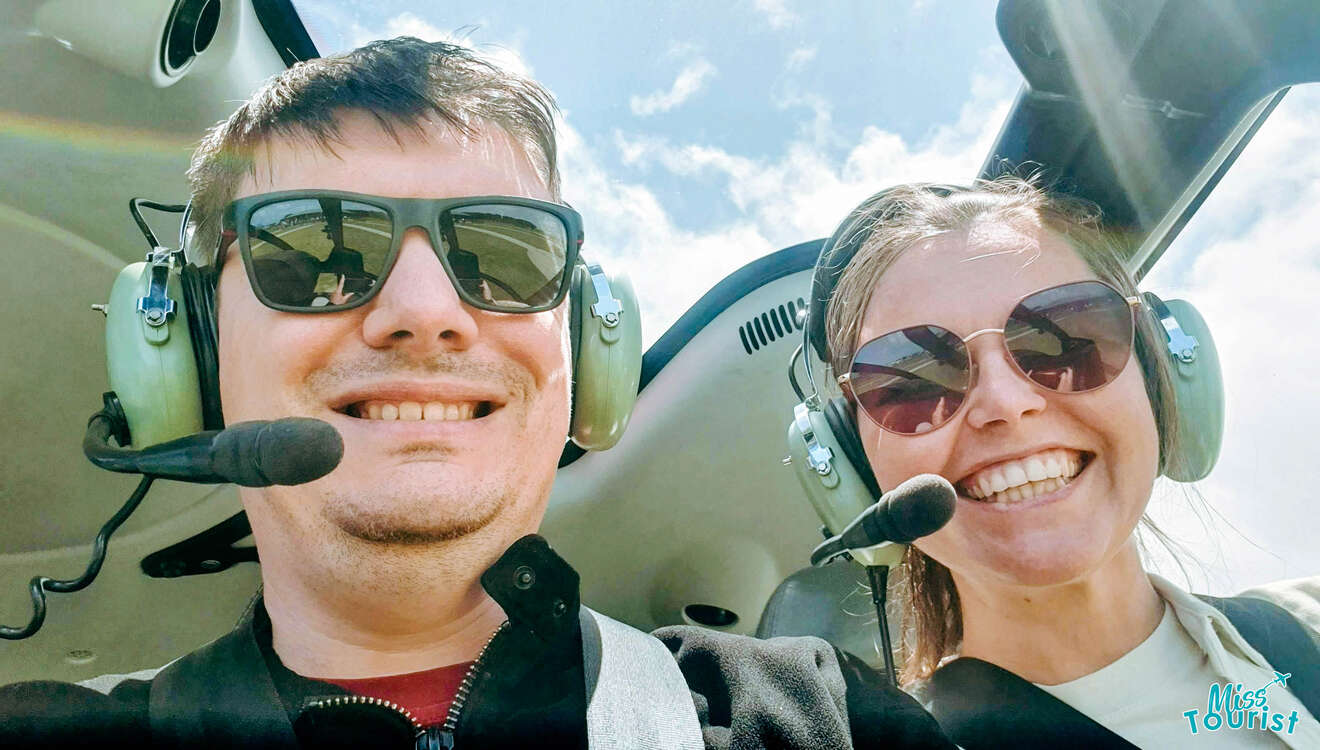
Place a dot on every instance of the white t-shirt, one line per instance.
(1145, 695)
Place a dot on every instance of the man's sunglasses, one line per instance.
(325, 250)
(1070, 338)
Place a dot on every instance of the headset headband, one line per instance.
(839, 250)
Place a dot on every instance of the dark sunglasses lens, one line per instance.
(1071, 338)
(912, 380)
(318, 252)
(507, 257)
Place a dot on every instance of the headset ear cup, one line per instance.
(152, 369)
(838, 415)
(199, 305)
(1199, 399)
(607, 362)
(841, 494)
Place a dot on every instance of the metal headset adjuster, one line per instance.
(607, 308)
(1181, 345)
(819, 457)
(157, 307)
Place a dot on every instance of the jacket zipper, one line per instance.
(345, 700)
(434, 738)
(426, 738)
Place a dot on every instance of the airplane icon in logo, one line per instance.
(1282, 679)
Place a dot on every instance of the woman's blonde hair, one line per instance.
(900, 218)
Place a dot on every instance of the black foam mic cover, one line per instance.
(916, 508)
(285, 452)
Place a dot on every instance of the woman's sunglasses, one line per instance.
(324, 250)
(1070, 338)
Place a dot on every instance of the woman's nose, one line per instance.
(418, 309)
(1001, 394)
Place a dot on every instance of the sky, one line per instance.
(700, 136)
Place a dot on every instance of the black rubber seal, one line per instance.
(280, 20)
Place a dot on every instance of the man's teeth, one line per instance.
(414, 411)
(1024, 478)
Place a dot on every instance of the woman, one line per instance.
(992, 336)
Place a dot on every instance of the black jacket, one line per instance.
(528, 690)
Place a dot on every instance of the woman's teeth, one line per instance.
(414, 411)
(1023, 478)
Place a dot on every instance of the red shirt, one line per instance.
(427, 695)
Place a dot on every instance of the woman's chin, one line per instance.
(1032, 567)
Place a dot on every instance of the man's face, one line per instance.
(415, 351)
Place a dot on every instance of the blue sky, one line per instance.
(701, 135)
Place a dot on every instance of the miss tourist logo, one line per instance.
(1228, 706)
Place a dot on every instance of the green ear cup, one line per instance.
(609, 356)
(151, 367)
(1199, 389)
(835, 489)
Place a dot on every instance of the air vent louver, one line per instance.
(771, 325)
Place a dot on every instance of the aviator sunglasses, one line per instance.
(1070, 338)
(324, 250)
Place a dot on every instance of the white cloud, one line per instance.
(799, 58)
(802, 193)
(1250, 262)
(777, 13)
(690, 80)
(799, 194)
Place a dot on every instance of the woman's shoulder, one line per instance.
(1299, 596)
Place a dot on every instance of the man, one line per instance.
(406, 601)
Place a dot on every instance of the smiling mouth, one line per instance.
(1024, 478)
(419, 411)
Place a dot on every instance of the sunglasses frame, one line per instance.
(1133, 302)
(404, 213)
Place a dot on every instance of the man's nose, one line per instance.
(418, 309)
(1001, 394)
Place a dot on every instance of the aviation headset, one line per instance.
(827, 454)
(161, 347)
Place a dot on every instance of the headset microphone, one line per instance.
(251, 454)
(916, 508)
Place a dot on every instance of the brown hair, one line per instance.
(908, 214)
(401, 82)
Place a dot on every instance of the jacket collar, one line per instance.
(537, 589)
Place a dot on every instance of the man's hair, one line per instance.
(402, 83)
(910, 214)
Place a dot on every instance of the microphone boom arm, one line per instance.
(187, 452)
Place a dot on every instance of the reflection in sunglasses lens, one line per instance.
(912, 380)
(1071, 338)
(508, 256)
(317, 252)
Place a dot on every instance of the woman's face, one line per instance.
(969, 281)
